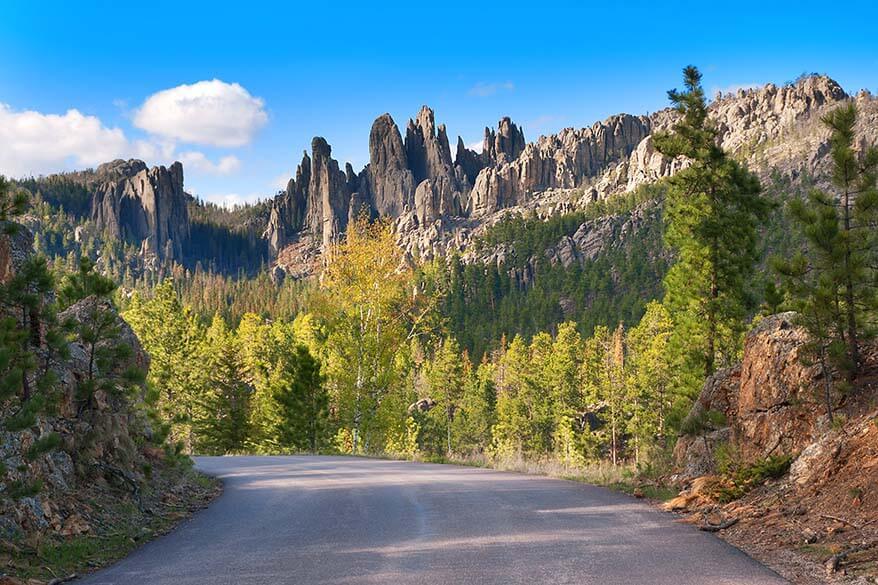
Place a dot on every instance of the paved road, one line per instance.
(315, 520)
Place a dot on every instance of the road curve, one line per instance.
(316, 520)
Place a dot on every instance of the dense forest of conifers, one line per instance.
(600, 360)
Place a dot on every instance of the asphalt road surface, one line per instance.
(315, 520)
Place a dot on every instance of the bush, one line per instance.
(43, 445)
(705, 420)
(739, 478)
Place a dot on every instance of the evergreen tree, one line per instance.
(222, 420)
(98, 330)
(302, 402)
(173, 336)
(833, 284)
(30, 336)
(712, 210)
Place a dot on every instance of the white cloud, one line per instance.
(213, 112)
(198, 162)
(230, 200)
(280, 181)
(33, 143)
(485, 89)
(476, 146)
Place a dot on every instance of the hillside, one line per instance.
(85, 468)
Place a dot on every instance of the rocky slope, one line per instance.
(438, 202)
(94, 472)
(771, 408)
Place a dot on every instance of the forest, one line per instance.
(453, 360)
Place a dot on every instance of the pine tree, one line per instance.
(712, 210)
(222, 419)
(30, 336)
(833, 284)
(172, 335)
(302, 403)
(98, 330)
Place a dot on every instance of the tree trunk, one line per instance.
(853, 343)
(827, 382)
(711, 322)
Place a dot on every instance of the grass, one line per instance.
(121, 527)
(739, 478)
(627, 478)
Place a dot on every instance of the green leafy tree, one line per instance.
(372, 309)
(445, 378)
(649, 378)
(478, 404)
(712, 210)
(564, 384)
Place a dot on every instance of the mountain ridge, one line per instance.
(439, 203)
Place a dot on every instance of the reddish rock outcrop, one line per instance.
(770, 403)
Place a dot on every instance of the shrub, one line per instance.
(704, 420)
(43, 445)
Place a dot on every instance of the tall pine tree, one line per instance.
(712, 210)
(833, 284)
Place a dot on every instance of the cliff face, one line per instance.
(771, 402)
(143, 206)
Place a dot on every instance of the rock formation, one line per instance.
(141, 205)
(504, 145)
(770, 402)
(438, 201)
(392, 184)
(327, 206)
(317, 201)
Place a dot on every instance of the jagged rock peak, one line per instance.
(505, 144)
(391, 183)
(287, 215)
(428, 152)
(147, 207)
(814, 88)
(119, 168)
(470, 161)
(328, 204)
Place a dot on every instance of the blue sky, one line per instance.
(289, 72)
